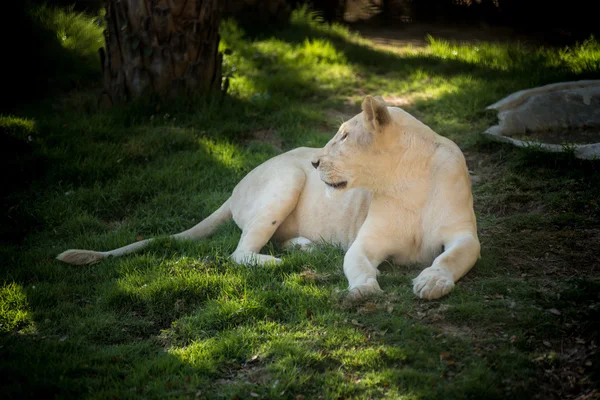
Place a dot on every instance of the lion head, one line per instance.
(353, 157)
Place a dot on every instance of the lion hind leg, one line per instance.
(459, 256)
(260, 210)
(258, 232)
(253, 239)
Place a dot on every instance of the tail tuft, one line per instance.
(80, 257)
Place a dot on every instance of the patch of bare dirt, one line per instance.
(560, 254)
(252, 371)
(336, 117)
(508, 203)
(415, 34)
(362, 17)
(530, 252)
(568, 374)
(481, 166)
(400, 101)
(347, 110)
(434, 315)
(339, 116)
(548, 256)
(268, 136)
(575, 136)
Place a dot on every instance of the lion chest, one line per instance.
(397, 229)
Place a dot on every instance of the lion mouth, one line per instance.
(338, 185)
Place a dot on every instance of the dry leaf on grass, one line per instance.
(308, 274)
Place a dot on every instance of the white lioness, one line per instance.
(386, 186)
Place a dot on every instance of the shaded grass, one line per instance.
(181, 320)
(52, 50)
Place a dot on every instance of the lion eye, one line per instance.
(344, 136)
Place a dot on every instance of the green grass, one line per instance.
(75, 31)
(180, 320)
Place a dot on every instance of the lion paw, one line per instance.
(433, 283)
(359, 291)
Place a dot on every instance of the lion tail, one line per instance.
(202, 230)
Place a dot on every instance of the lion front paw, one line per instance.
(433, 283)
(359, 291)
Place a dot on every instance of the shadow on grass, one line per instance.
(73, 152)
(166, 324)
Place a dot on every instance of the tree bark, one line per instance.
(162, 47)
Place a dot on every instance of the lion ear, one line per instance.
(376, 113)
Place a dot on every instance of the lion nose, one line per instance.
(315, 163)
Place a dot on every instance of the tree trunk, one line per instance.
(163, 47)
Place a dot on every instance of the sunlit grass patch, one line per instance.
(14, 308)
(75, 31)
(21, 128)
(300, 70)
(580, 58)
